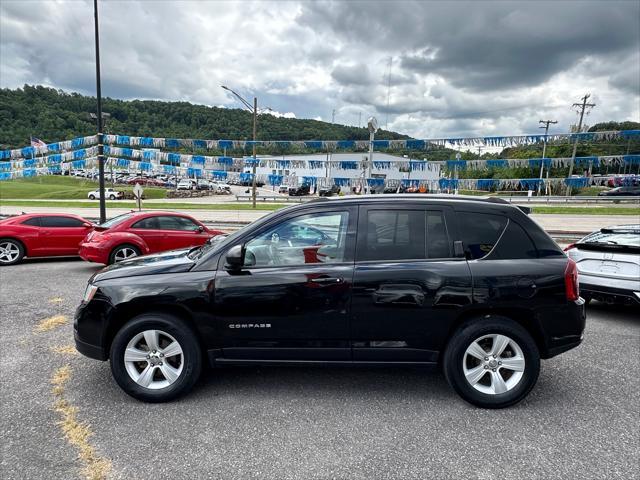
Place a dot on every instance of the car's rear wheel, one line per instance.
(156, 357)
(112, 197)
(92, 197)
(492, 362)
(11, 251)
(123, 252)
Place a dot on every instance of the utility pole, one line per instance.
(333, 116)
(544, 150)
(253, 180)
(359, 119)
(103, 205)
(583, 107)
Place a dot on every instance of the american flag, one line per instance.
(36, 142)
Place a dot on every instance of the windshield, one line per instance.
(115, 220)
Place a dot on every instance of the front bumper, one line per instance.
(88, 332)
(91, 252)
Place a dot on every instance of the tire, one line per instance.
(488, 391)
(121, 253)
(11, 251)
(92, 197)
(183, 368)
(112, 197)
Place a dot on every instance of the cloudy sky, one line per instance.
(457, 68)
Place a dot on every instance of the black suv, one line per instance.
(471, 284)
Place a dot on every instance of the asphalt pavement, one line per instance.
(581, 420)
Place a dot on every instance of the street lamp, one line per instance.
(372, 125)
(254, 111)
(103, 205)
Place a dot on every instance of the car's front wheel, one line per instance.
(492, 362)
(92, 197)
(156, 357)
(112, 197)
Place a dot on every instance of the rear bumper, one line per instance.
(610, 293)
(91, 253)
(568, 333)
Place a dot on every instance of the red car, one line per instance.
(150, 182)
(140, 233)
(41, 235)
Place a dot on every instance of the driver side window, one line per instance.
(313, 238)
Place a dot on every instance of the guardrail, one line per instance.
(573, 199)
(274, 198)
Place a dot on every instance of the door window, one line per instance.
(438, 245)
(480, 232)
(149, 223)
(59, 222)
(514, 243)
(313, 238)
(176, 223)
(34, 222)
(393, 235)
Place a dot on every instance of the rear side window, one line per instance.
(394, 235)
(176, 223)
(480, 232)
(514, 243)
(60, 222)
(34, 222)
(149, 223)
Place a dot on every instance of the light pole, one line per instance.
(254, 111)
(372, 125)
(103, 205)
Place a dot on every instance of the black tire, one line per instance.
(114, 252)
(13, 244)
(112, 197)
(476, 328)
(92, 197)
(191, 357)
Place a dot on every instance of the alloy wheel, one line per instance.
(153, 359)
(493, 364)
(124, 253)
(9, 252)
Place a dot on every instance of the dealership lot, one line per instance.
(581, 420)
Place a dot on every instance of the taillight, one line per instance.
(571, 286)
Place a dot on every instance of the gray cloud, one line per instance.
(458, 68)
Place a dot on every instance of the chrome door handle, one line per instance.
(327, 280)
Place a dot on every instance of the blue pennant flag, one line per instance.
(225, 143)
(309, 180)
(586, 161)
(410, 182)
(55, 158)
(313, 144)
(417, 164)
(5, 154)
(123, 163)
(275, 180)
(194, 172)
(5, 175)
(459, 164)
(530, 183)
(251, 161)
(348, 165)
(54, 169)
(172, 143)
(375, 182)
(487, 183)
(535, 162)
(148, 155)
(29, 172)
(246, 177)
(416, 144)
(169, 169)
(144, 166)
(381, 143)
(341, 182)
(79, 154)
(77, 142)
(225, 160)
(382, 165)
(199, 144)
(345, 144)
(451, 183)
(127, 152)
(284, 163)
(197, 159)
(631, 159)
(173, 158)
(28, 152)
(122, 140)
(79, 164)
(28, 163)
(316, 164)
(146, 142)
(53, 147)
(219, 174)
(5, 166)
(576, 182)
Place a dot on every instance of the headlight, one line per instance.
(89, 293)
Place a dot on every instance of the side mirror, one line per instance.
(458, 249)
(200, 229)
(234, 258)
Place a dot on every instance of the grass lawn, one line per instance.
(58, 187)
(590, 210)
(146, 205)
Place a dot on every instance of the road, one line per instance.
(581, 421)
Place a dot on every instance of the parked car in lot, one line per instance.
(139, 233)
(221, 188)
(621, 192)
(609, 264)
(109, 193)
(329, 191)
(186, 184)
(472, 284)
(151, 182)
(299, 191)
(41, 235)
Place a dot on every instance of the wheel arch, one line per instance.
(124, 313)
(521, 316)
(17, 240)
